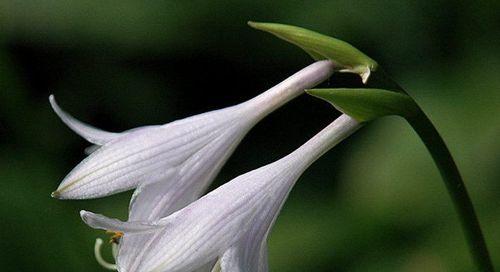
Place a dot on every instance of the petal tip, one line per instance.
(56, 194)
(86, 216)
(62, 193)
(52, 101)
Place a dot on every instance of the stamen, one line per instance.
(115, 237)
(98, 256)
(114, 250)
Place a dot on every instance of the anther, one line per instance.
(115, 237)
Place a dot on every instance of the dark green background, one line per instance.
(374, 203)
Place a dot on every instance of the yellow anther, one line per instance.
(115, 236)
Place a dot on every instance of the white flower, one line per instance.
(171, 165)
(177, 150)
(231, 223)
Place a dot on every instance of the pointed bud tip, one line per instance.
(257, 25)
(252, 23)
(320, 46)
(274, 28)
(366, 104)
(312, 91)
(365, 75)
(319, 93)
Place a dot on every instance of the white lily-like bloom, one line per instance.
(229, 224)
(171, 165)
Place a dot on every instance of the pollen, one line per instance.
(115, 236)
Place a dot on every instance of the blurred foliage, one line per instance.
(374, 203)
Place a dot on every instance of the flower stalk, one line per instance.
(450, 174)
(456, 189)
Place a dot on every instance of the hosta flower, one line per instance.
(177, 150)
(171, 165)
(229, 225)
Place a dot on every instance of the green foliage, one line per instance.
(320, 47)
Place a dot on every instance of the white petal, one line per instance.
(160, 199)
(98, 221)
(152, 154)
(238, 215)
(141, 156)
(239, 259)
(208, 227)
(234, 220)
(249, 254)
(154, 201)
(89, 133)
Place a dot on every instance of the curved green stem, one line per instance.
(449, 172)
(456, 188)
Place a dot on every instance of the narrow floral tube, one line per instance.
(231, 223)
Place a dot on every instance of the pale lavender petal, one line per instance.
(206, 228)
(153, 201)
(98, 221)
(239, 259)
(249, 254)
(88, 132)
(140, 157)
(152, 154)
(238, 215)
(232, 221)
